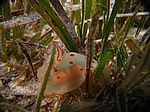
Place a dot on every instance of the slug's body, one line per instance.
(67, 73)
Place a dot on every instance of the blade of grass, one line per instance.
(17, 34)
(63, 15)
(140, 26)
(121, 55)
(5, 36)
(5, 33)
(93, 8)
(77, 17)
(16, 53)
(104, 60)
(44, 42)
(106, 32)
(43, 85)
(118, 47)
(45, 10)
(127, 28)
(88, 5)
(56, 21)
(37, 37)
(82, 18)
(6, 10)
(109, 24)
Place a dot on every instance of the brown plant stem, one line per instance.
(90, 42)
(63, 15)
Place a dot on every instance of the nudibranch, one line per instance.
(68, 73)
